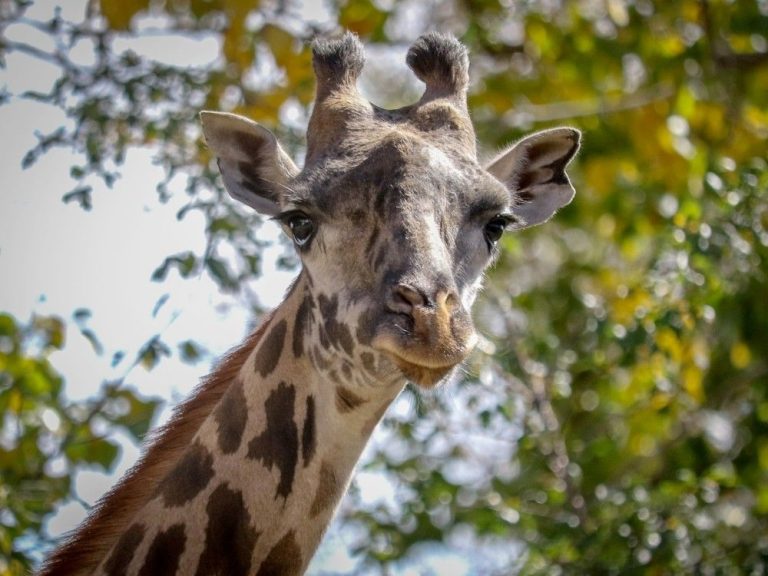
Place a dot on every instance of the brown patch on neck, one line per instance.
(309, 434)
(278, 444)
(346, 400)
(229, 536)
(190, 476)
(86, 548)
(269, 353)
(328, 490)
(124, 550)
(232, 415)
(284, 559)
(165, 552)
(302, 324)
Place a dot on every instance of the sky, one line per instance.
(56, 258)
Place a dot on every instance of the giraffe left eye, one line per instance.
(494, 229)
(301, 227)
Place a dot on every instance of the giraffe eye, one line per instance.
(301, 227)
(494, 229)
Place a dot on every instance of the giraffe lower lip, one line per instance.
(419, 373)
(421, 356)
(432, 356)
(425, 369)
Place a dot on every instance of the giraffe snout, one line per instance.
(426, 333)
(405, 299)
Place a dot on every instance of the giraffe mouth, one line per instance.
(425, 376)
(425, 367)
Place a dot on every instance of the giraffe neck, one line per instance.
(259, 482)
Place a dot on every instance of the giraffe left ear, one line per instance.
(255, 168)
(533, 170)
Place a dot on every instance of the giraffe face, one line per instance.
(392, 216)
(399, 231)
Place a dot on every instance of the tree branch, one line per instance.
(536, 113)
(746, 61)
(721, 52)
(52, 58)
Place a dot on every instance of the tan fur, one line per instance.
(87, 547)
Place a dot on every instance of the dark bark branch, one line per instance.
(745, 61)
(721, 52)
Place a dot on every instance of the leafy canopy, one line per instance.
(616, 419)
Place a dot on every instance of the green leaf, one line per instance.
(159, 304)
(94, 341)
(186, 263)
(92, 450)
(226, 225)
(52, 328)
(190, 351)
(152, 351)
(117, 357)
(82, 195)
(81, 315)
(7, 325)
(221, 273)
(120, 13)
(135, 414)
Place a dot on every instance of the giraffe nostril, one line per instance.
(403, 298)
(447, 300)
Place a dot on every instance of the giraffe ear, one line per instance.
(533, 170)
(255, 168)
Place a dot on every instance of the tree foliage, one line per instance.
(45, 437)
(616, 418)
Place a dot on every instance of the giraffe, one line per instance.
(394, 221)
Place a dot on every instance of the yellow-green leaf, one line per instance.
(119, 13)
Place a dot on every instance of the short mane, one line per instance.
(88, 545)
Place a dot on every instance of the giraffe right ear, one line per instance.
(255, 168)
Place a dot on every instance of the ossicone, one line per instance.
(442, 63)
(337, 63)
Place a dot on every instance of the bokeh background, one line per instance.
(614, 420)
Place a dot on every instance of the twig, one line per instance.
(579, 109)
(52, 58)
(720, 50)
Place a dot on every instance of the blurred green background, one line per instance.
(615, 419)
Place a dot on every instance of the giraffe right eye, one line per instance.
(301, 227)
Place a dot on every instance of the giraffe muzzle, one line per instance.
(426, 337)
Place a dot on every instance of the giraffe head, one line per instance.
(392, 215)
